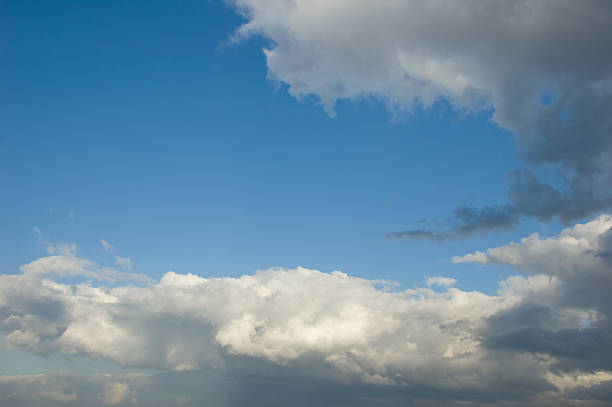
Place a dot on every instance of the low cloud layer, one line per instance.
(542, 67)
(544, 338)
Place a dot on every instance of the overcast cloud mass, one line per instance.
(542, 67)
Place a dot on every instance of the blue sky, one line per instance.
(222, 138)
(161, 136)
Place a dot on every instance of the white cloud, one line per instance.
(277, 315)
(440, 281)
(576, 253)
(331, 327)
(107, 246)
(65, 249)
(123, 262)
(64, 263)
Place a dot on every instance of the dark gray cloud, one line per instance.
(465, 221)
(605, 247)
(419, 234)
(524, 329)
(571, 324)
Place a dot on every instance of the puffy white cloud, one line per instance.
(440, 281)
(576, 253)
(279, 315)
(67, 264)
(544, 336)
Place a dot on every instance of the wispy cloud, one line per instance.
(466, 221)
(107, 246)
(123, 262)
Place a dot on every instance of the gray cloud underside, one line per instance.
(543, 67)
(466, 221)
(302, 337)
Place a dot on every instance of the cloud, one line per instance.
(542, 339)
(440, 281)
(124, 263)
(575, 263)
(58, 396)
(576, 253)
(419, 234)
(65, 249)
(64, 263)
(107, 246)
(116, 393)
(543, 68)
(466, 221)
(65, 388)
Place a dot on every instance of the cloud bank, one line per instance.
(542, 67)
(544, 338)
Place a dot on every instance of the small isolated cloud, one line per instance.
(440, 281)
(465, 221)
(107, 246)
(124, 263)
(419, 234)
(37, 231)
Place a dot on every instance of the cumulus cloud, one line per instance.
(576, 253)
(542, 67)
(544, 338)
(575, 262)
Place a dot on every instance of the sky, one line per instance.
(305, 203)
